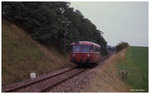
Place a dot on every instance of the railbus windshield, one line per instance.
(86, 48)
(81, 48)
(76, 48)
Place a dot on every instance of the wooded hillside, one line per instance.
(49, 22)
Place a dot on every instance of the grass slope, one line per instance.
(21, 55)
(107, 78)
(136, 63)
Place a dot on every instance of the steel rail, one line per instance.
(32, 81)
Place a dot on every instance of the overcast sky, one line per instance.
(120, 21)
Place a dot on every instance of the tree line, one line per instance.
(50, 22)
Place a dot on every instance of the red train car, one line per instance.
(85, 53)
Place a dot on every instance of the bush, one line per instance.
(121, 46)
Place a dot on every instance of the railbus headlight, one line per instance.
(88, 55)
(73, 55)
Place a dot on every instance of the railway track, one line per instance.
(27, 83)
(44, 83)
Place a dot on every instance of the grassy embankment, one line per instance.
(21, 55)
(107, 78)
(124, 71)
(136, 64)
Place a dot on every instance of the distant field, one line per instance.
(136, 64)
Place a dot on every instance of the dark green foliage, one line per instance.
(46, 22)
(121, 46)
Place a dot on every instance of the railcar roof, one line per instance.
(85, 43)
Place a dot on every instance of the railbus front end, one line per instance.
(85, 53)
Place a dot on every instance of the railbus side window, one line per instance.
(92, 48)
(96, 49)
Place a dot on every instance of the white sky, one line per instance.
(120, 21)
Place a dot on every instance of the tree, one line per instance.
(121, 46)
(43, 20)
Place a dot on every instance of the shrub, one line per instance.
(121, 46)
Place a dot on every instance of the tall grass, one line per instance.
(106, 78)
(21, 55)
(136, 64)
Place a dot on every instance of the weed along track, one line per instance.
(42, 84)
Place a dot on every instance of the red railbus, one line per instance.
(85, 52)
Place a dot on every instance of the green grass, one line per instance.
(136, 63)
